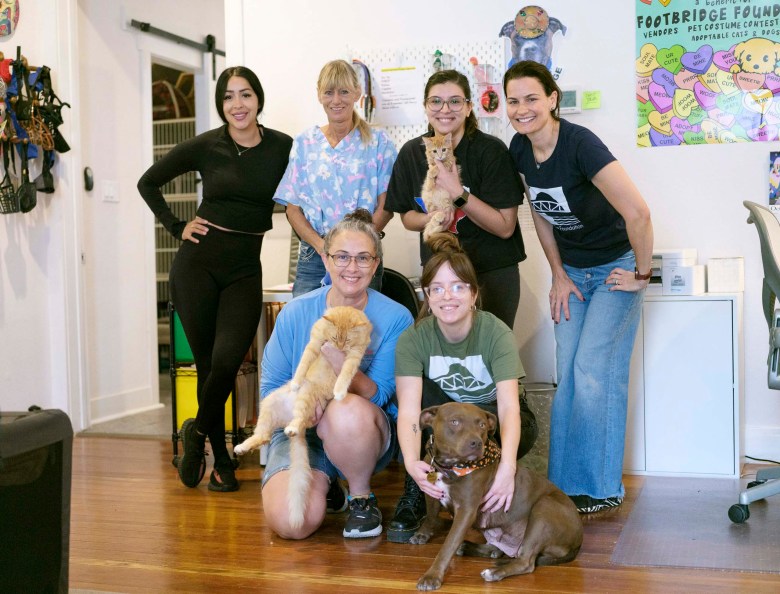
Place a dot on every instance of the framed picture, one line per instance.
(571, 101)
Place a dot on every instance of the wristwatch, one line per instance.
(638, 276)
(462, 199)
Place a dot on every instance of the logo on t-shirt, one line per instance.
(551, 203)
(464, 380)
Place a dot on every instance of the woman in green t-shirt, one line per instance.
(454, 352)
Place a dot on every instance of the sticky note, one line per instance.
(591, 99)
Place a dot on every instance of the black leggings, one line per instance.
(500, 292)
(433, 395)
(216, 288)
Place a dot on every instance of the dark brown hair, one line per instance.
(222, 83)
(446, 250)
(453, 76)
(531, 69)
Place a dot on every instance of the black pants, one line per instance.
(433, 395)
(216, 288)
(500, 292)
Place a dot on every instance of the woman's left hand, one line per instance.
(449, 180)
(624, 280)
(502, 490)
(333, 356)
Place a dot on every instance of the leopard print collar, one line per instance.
(491, 455)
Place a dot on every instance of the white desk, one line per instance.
(685, 392)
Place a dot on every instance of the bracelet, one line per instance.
(638, 276)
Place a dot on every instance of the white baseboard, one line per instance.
(116, 406)
(762, 442)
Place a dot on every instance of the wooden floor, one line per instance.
(135, 528)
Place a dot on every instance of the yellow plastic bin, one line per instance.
(187, 398)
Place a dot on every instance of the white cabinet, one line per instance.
(685, 387)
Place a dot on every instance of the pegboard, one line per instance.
(493, 52)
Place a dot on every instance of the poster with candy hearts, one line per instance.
(707, 71)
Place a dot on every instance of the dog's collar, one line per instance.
(491, 456)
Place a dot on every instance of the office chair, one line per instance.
(400, 289)
(768, 227)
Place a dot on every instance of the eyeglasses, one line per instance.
(343, 260)
(456, 290)
(455, 103)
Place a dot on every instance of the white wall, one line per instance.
(695, 193)
(77, 319)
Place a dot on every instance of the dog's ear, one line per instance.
(555, 26)
(507, 30)
(426, 417)
(492, 421)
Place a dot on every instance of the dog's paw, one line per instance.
(489, 575)
(429, 582)
(419, 538)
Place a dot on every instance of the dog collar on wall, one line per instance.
(492, 456)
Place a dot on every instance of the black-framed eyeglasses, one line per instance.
(343, 260)
(457, 290)
(455, 103)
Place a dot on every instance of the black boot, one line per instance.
(192, 465)
(409, 513)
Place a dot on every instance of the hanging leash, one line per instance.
(367, 101)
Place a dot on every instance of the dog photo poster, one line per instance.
(707, 72)
(774, 176)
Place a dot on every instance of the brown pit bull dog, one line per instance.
(542, 526)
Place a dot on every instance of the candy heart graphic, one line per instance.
(684, 102)
(728, 137)
(658, 139)
(759, 101)
(772, 82)
(711, 130)
(665, 78)
(698, 61)
(726, 82)
(694, 137)
(680, 127)
(724, 59)
(704, 96)
(730, 103)
(685, 79)
(763, 134)
(646, 62)
(660, 122)
(670, 58)
(722, 117)
(749, 81)
(642, 83)
(665, 2)
(643, 110)
(643, 136)
(659, 97)
(710, 79)
(697, 116)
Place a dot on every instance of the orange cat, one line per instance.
(438, 151)
(293, 406)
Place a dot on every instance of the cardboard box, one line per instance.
(726, 275)
(683, 280)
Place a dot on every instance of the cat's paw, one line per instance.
(294, 386)
(291, 431)
(241, 449)
(339, 394)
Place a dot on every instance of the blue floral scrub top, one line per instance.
(327, 182)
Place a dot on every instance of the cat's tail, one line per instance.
(300, 479)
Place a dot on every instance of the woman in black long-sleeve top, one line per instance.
(216, 278)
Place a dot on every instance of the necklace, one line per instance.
(238, 150)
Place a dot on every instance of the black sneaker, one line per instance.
(364, 519)
(192, 465)
(223, 477)
(589, 505)
(409, 513)
(336, 498)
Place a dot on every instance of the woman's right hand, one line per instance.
(562, 287)
(419, 472)
(197, 226)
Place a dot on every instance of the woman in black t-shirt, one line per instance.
(216, 278)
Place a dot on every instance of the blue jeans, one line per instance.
(311, 271)
(588, 424)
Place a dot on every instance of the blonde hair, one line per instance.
(338, 74)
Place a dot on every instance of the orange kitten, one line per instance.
(293, 406)
(438, 151)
